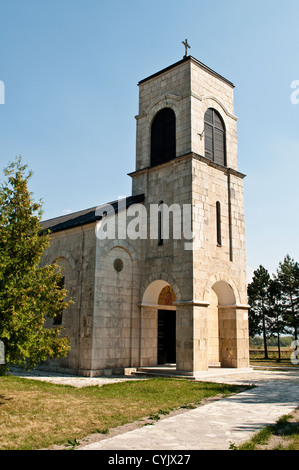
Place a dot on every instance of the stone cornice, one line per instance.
(187, 156)
(194, 303)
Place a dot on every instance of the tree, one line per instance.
(29, 292)
(276, 322)
(258, 299)
(288, 281)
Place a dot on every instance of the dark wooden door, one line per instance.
(166, 336)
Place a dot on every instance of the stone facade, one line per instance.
(116, 282)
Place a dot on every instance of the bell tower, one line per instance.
(186, 154)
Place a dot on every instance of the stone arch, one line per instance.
(158, 321)
(120, 244)
(225, 293)
(118, 263)
(114, 307)
(216, 103)
(155, 283)
(213, 103)
(168, 101)
(152, 292)
(60, 255)
(225, 287)
(223, 297)
(67, 266)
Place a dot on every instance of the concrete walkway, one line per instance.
(213, 426)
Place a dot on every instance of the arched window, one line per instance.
(163, 137)
(58, 317)
(215, 137)
(218, 223)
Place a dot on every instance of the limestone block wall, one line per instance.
(210, 185)
(172, 184)
(189, 89)
(169, 89)
(209, 91)
(242, 337)
(149, 336)
(213, 330)
(234, 337)
(116, 324)
(74, 251)
(222, 266)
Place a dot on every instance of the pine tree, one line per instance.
(29, 292)
(258, 299)
(288, 280)
(277, 324)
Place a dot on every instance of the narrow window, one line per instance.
(160, 222)
(58, 317)
(215, 137)
(163, 137)
(218, 223)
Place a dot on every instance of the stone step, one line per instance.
(161, 372)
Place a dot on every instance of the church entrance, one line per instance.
(158, 325)
(166, 337)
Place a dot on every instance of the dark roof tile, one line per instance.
(84, 217)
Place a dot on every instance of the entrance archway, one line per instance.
(222, 325)
(158, 324)
(166, 347)
(224, 293)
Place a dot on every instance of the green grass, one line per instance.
(283, 435)
(36, 414)
(257, 358)
(271, 362)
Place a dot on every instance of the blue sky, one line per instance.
(71, 68)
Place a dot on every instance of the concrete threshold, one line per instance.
(171, 371)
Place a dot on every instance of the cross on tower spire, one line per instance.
(186, 46)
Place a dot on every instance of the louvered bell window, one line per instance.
(215, 137)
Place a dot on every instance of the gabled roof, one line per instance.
(86, 216)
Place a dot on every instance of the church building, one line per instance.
(159, 277)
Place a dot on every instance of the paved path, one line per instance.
(212, 426)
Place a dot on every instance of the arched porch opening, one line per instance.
(222, 326)
(158, 325)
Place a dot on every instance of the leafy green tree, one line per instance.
(287, 279)
(258, 299)
(29, 292)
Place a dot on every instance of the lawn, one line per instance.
(271, 362)
(36, 414)
(283, 435)
(257, 358)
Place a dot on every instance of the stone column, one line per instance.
(191, 337)
(242, 335)
(233, 332)
(148, 336)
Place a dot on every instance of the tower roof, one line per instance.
(186, 59)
